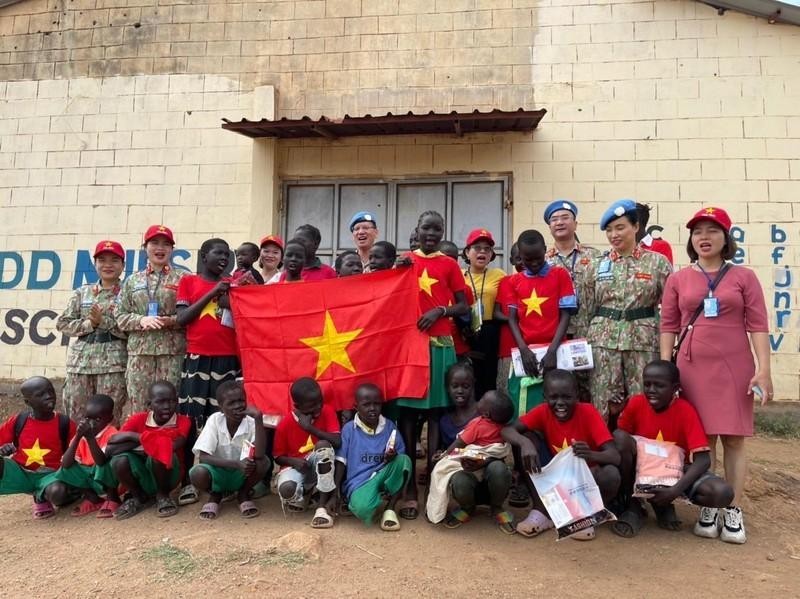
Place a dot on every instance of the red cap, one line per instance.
(717, 215)
(272, 239)
(477, 234)
(156, 230)
(112, 247)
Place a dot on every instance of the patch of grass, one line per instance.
(784, 425)
(175, 562)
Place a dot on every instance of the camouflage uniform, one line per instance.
(577, 263)
(622, 294)
(154, 354)
(97, 358)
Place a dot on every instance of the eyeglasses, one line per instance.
(481, 249)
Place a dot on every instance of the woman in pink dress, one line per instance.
(718, 373)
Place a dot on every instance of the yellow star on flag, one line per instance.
(534, 303)
(332, 346)
(210, 310)
(426, 282)
(564, 446)
(35, 454)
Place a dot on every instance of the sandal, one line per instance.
(165, 507)
(410, 510)
(588, 534)
(107, 509)
(209, 511)
(130, 507)
(534, 524)
(187, 495)
(518, 496)
(666, 517)
(321, 519)
(389, 521)
(456, 518)
(629, 522)
(505, 522)
(248, 510)
(85, 507)
(42, 510)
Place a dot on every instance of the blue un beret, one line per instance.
(362, 217)
(559, 205)
(617, 209)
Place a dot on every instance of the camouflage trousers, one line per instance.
(143, 371)
(617, 373)
(78, 388)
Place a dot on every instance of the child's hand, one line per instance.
(427, 320)
(616, 404)
(305, 421)
(221, 288)
(389, 455)
(247, 466)
(582, 450)
(663, 497)
(438, 455)
(402, 262)
(549, 361)
(95, 315)
(470, 465)
(7, 449)
(529, 362)
(530, 458)
(84, 428)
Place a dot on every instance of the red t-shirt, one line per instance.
(83, 455)
(678, 424)
(291, 441)
(539, 299)
(39, 442)
(660, 246)
(481, 431)
(318, 273)
(205, 335)
(157, 440)
(439, 279)
(506, 343)
(586, 425)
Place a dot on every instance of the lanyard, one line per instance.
(152, 296)
(478, 298)
(571, 269)
(712, 284)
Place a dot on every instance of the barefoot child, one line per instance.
(304, 446)
(31, 446)
(293, 259)
(382, 256)
(562, 422)
(661, 413)
(348, 263)
(371, 464)
(230, 449)
(248, 254)
(147, 454)
(85, 456)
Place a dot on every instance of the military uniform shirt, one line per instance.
(576, 263)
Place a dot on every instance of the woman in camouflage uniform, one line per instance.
(97, 359)
(621, 291)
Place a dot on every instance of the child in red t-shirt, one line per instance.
(304, 446)
(211, 353)
(501, 316)
(559, 423)
(541, 300)
(660, 413)
(441, 296)
(147, 454)
(31, 446)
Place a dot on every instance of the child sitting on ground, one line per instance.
(348, 263)
(85, 456)
(373, 457)
(459, 473)
(563, 422)
(147, 454)
(230, 449)
(304, 446)
(382, 256)
(31, 446)
(661, 413)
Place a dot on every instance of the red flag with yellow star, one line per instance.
(341, 332)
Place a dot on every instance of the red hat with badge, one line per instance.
(112, 247)
(477, 234)
(716, 215)
(154, 231)
(273, 239)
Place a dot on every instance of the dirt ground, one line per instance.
(185, 557)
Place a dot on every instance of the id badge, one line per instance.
(152, 308)
(711, 307)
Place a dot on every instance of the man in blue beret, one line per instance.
(567, 252)
(364, 228)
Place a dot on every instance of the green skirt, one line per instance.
(443, 356)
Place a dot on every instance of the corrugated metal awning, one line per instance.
(457, 123)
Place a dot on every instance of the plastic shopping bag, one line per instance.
(570, 495)
(658, 464)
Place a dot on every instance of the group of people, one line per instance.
(156, 354)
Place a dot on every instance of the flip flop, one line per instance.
(165, 507)
(129, 508)
(85, 507)
(389, 521)
(42, 510)
(628, 523)
(187, 495)
(587, 534)
(322, 514)
(410, 510)
(248, 510)
(107, 509)
(505, 522)
(209, 511)
(535, 523)
(456, 518)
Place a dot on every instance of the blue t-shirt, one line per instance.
(362, 453)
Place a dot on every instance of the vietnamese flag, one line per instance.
(341, 332)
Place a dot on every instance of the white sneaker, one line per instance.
(732, 526)
(707, 525)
